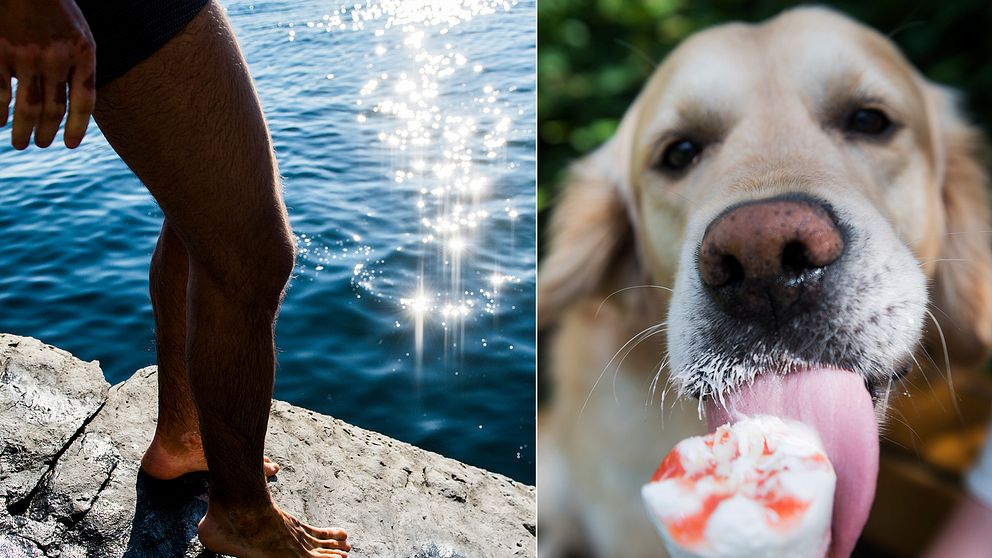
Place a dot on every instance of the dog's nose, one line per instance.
(761, 257)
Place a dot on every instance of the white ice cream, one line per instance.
(762, 487)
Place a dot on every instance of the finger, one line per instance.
(4, 96)
(27, 108)
(82, 97)
(54, 70)
(52, 111)
(328, 552)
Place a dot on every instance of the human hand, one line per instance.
(968, 532)
(48, 47)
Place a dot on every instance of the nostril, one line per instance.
(795, 258)
(761, 243)
(731, 270)
(718, 268)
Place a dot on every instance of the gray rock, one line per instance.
(47, 396)
(69, 474)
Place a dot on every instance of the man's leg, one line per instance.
(188, 123)
(177, 447)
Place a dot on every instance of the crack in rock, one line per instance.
(78, 517)
(20, 507)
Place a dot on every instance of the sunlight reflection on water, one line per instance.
(440, 157)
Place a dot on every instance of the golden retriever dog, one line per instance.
(788, 215)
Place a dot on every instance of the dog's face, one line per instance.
(812, 106)
(809, 198)
(816, 115)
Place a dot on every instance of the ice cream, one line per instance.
(836, 404)
(762, 487)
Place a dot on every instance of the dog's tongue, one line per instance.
(836, 404)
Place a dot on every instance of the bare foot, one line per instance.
(267, 532)
(167, 460)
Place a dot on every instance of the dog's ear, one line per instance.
(962, 290)
(591, 234)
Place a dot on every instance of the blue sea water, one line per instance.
(404, 132)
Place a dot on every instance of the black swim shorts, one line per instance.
(128, 31)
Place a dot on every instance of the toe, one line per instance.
(333, 544)
(270, 467)
(329, 533)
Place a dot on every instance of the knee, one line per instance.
(268, 264)
(253, 270)
(278, 256)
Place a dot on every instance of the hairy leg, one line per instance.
(188, 123)
(177, 447)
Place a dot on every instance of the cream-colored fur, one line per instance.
(769, 96)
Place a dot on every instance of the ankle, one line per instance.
(178, 440)
(246, 512)
(249, 496)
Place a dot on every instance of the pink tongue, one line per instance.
(837, 405)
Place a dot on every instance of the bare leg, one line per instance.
(177, 447)
(188, 123)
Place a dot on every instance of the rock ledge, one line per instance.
(70, 446)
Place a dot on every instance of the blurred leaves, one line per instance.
(594, 56)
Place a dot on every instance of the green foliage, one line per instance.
(594, 55)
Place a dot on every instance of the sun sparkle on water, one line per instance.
(441, 158)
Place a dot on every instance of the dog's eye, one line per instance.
(870, 122)
(679, 155)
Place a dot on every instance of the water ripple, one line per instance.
(404, 132)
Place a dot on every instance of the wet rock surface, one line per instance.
(70, 445)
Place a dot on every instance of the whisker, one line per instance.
(653, 387)
(980, 231)
(690, 203)
(926, 377)
(907, 22)
(669, 384)
(649, 399)
(939, 260)
(907, 386)
(664, 392)
(608, 364)
(904, 26)
(680, 401)
(912, 355)
(888, 393)
(914, 437)
(926, 353)
(947, 363)
(616, 371)
(946, 315)
(923, 371)
(661, 369)
(643, 55)
(618, 291)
